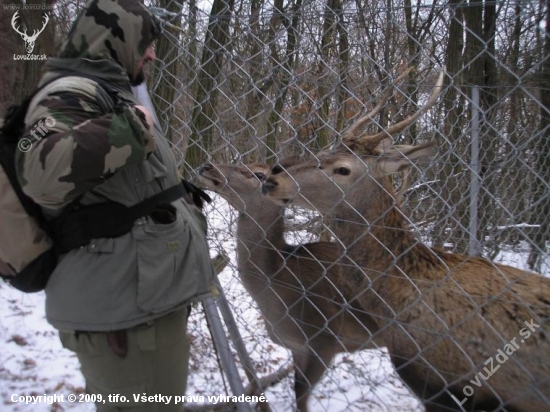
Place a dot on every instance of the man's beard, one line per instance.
(138, 79)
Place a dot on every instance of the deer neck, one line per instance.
(260, 233)
(384, 255)
(374, 230)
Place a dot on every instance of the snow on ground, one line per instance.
(32, 361)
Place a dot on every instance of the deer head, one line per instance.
(240, 185)
(349, 173)
(29, 40)
(236, 184)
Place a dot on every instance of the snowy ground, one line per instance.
(32, 361)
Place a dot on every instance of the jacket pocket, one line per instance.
(166, 269)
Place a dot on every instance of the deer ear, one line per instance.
(384, 145)
(399, 157)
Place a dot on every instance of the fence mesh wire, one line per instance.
(258, 81)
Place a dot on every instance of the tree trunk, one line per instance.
(323, 74)
(168, 71)
(541, 198)
(451, 180)
(204, 114)
(489, 209)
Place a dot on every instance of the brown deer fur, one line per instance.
(292, 285)
(443, 316)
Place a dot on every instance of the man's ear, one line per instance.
(399, 157)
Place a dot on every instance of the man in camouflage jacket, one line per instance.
(119, 303)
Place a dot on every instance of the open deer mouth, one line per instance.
(208, 181)
(269, 186)
(205, 174)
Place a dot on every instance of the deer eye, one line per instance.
(260, 175)
(344, 171)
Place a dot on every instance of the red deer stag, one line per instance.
(463, 332)
(292, 285)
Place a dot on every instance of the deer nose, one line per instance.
(268, 186)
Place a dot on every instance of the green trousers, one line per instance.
(154, 368)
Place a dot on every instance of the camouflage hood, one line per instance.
(118, 30)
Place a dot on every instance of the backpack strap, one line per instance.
(78, 225)
(105, 89)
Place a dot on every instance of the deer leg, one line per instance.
(309, 368)
(302, 386)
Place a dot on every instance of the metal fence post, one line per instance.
(235, 336)
(475, 181)
(224, 351)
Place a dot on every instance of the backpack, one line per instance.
(27, 255)
(29, 244)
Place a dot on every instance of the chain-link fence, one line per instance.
(261, 81)
(256, 81)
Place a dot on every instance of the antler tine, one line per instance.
(352, 132)
(396, 128)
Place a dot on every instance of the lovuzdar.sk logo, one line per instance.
(29, 40)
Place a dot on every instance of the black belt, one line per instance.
(78, 224)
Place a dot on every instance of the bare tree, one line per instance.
(541, 198)
(204, 116)
(167, 70)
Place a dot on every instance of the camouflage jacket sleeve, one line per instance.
(72, 144)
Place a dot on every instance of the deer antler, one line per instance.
(353, 132)
(373, 140)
